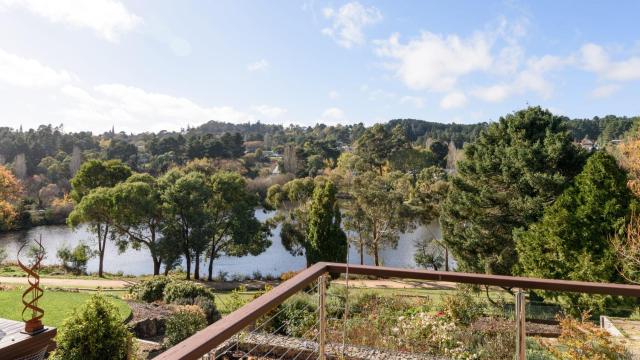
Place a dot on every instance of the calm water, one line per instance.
(275, 260)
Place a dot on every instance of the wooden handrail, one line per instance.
(217, 333)
(494, 280)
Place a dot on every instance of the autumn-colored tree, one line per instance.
(10, 188)
(629, 157)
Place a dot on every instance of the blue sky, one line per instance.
(145, 65)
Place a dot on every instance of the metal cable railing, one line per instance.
(318, 344)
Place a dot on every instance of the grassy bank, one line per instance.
(58, 305)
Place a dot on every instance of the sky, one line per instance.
(150, 65)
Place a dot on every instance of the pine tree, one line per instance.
(573, 239)
(513, 169)
(326, 239)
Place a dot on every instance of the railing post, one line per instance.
(322, 301)
(521, 331)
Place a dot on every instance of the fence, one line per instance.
(243, 325)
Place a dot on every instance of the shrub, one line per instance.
(257, 275)
(288, 275)
(94, 331)
(75, 260)
(209, 308)
(205, 304)
(462, 307)
(3, 254)
(184, 323)
(299, 315)
(581, 339)
(152, 289)
(223, 275)
(236, 300)
(185, 289)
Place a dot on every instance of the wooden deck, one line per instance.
(14, 344)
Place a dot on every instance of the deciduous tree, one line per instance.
(232, 225)
(94, 202)
(382, 202)
(185, 204)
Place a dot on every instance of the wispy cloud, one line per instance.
(416, 101)
(453, 100)
(136, 108)
(29, 73)
(271, 112)
(348, 21)
(604, 91)
(259, 65)
(108, 18)
(597, 60)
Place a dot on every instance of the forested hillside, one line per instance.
(45, 159)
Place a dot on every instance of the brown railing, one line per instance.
(216, 334)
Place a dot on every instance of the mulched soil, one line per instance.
(141, 311)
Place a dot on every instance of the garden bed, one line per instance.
(265, 346)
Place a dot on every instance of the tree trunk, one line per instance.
(361, 249)
(166, 269)
(376, 256)
(187, 258)
(100, 273)
(210, 271)
(156, 265)
(102, 242)
(196, 270)
(446, 258)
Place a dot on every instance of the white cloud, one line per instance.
(418, 102)
(453, 100)
(434, 62)
(109, 18)
(494, 93)
(29, 73)
(134, 109)
(533, 78)
(333, 113)
(604, 91)
(595, 59)
(259, 65)
(271, 112)
(377, 94)
(333, 94)
(348, 22)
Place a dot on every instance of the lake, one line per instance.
(275, 260)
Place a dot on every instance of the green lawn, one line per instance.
(57, 305)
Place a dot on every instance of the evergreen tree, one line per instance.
(327, 241)
(572, 240)
(513, 169)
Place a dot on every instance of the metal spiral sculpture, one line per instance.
(31, 296)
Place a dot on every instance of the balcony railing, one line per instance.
(207, 343)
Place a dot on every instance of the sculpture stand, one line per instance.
(33, 293)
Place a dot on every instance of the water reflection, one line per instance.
(275, 260)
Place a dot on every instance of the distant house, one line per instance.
(587, 144)
(252, 146)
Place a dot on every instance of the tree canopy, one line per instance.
(510, 173)
(572, 241)
(326, 239)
